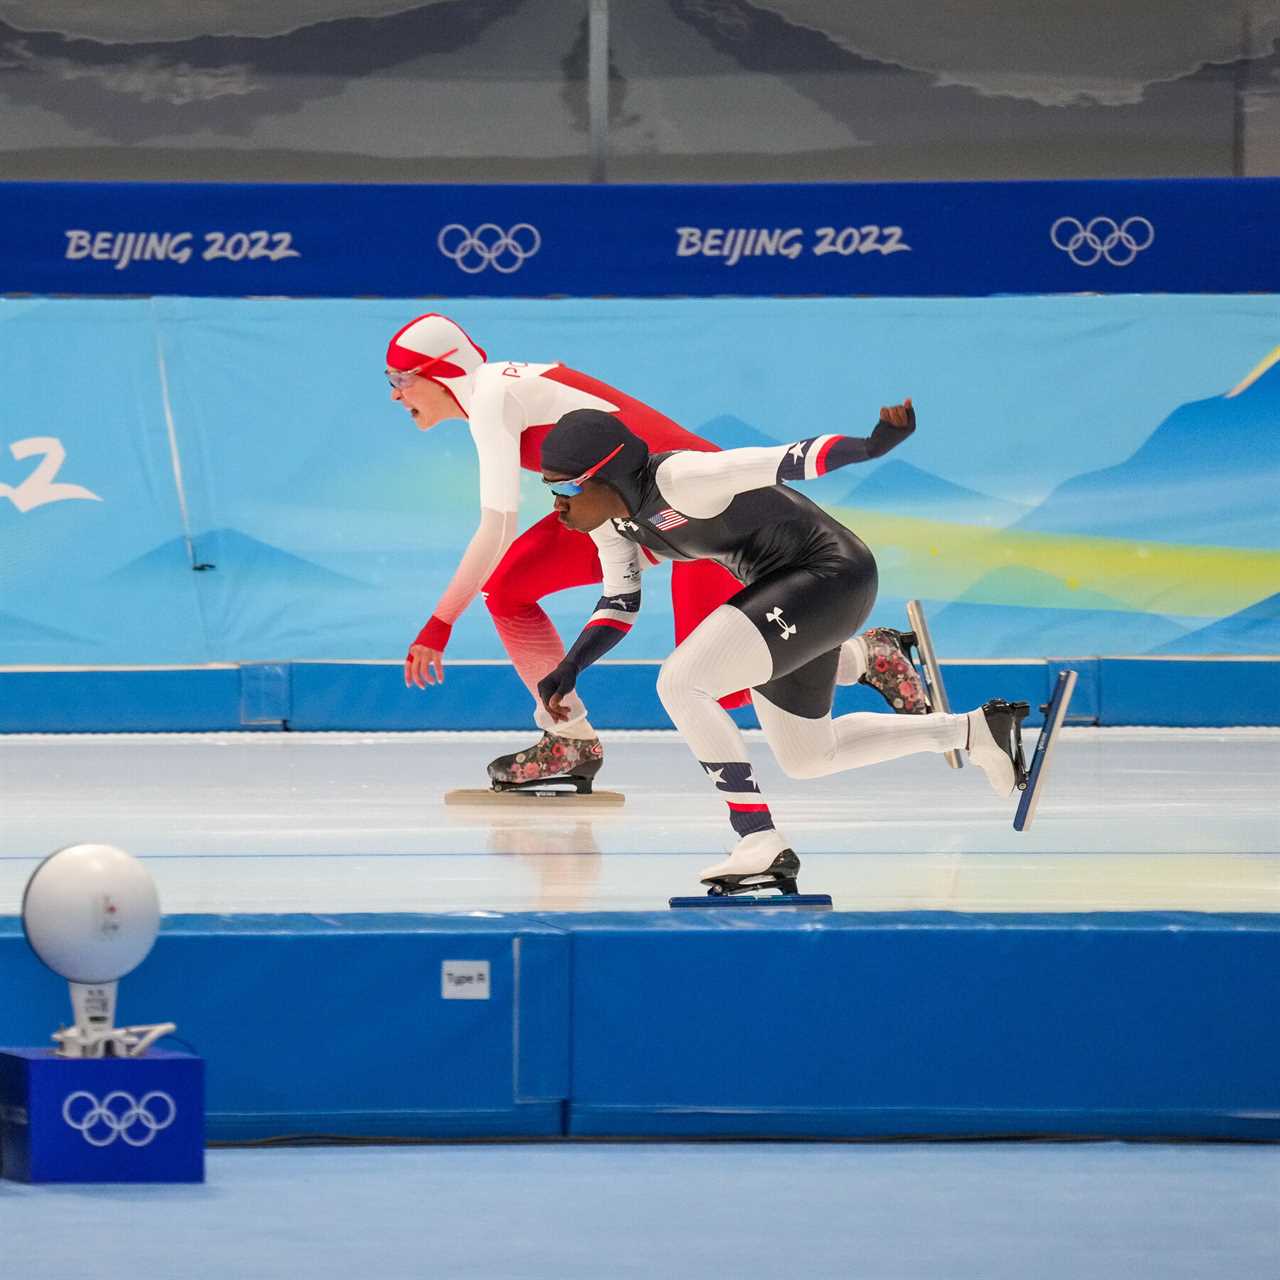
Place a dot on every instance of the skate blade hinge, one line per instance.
(922, 642)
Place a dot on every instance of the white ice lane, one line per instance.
(1133, 819)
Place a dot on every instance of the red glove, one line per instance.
(435, 635)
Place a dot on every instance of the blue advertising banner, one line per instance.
(229, 480)
(825, 239)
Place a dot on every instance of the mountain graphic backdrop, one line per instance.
(1255, 630)
(893, 485)
(1209, 473)
(1170, 551)
(899, 487)
(336, 542)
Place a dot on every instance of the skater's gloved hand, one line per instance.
(897, 422)
(554, 688)
(419, 664)
(427, 652)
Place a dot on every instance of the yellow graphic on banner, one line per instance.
(1254, 374)
(983, 566)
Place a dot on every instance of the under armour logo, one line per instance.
(787, 629)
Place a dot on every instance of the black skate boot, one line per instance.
(758, 861)
(552, 761)
(995, 744)
(892, 673)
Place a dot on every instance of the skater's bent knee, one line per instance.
(803, 764)
(502, 604)
(805, 768)
(679, 680)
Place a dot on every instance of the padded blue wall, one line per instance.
(1215, 691)
(728, 1023)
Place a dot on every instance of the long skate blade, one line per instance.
(536, 795)
(932, 671)
(751, 900)
(1054, 715)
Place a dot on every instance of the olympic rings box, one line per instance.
(101, 1119)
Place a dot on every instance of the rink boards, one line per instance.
(731, 1023)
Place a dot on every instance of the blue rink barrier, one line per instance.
(1213, 691)
(344, 1025)
(733, 1023)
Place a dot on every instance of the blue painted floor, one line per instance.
(875, 1212)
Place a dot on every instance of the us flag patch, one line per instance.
(668, 519)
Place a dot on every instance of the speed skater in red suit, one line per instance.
(438, 373)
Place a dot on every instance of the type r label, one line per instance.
(464, 979)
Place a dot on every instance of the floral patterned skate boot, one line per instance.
(890, 671)
(552, 759)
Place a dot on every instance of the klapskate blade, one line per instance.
(932, 671)
(1054, 716)
(752, 900)
(537, 795)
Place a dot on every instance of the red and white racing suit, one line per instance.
(512, 407)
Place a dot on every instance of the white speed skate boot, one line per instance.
(995, 744)
(758, 861)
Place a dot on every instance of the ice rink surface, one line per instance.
(1132, 819)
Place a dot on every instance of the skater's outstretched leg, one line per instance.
(809, 747)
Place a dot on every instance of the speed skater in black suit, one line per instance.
(809, 585)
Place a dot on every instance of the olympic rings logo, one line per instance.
(1085, 243)
(489, 246)
(118, 1115)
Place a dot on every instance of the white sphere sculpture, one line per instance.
(91, 913)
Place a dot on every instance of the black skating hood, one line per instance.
(581, 438)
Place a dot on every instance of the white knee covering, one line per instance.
(807, 748)
(725, 653)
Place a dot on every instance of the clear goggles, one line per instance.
(402, 378)
(571, 488)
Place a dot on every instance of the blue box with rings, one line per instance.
(101, 1119)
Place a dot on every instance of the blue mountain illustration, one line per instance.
(894, 487)
(730, 432)
(993, 630)
(1209, 473)
(898, 488)
(232, 553)
(1023, 612)
(16, 630)
(1252, 630)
